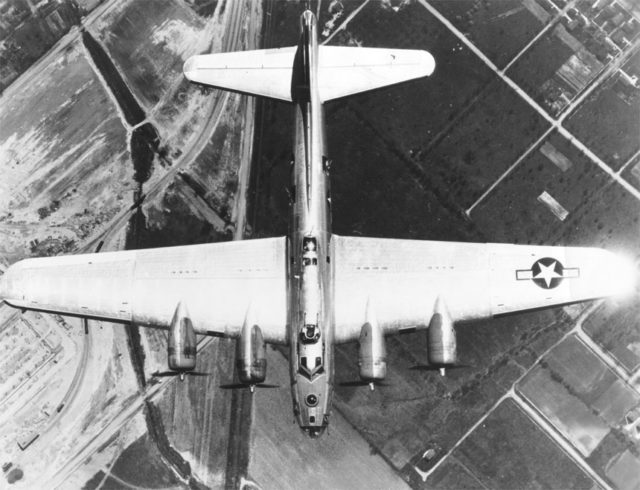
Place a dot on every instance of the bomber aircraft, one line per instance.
(312, 289)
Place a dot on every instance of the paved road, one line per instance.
(556, 123)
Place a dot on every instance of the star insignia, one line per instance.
(547, 273)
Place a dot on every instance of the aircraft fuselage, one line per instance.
(310, 322)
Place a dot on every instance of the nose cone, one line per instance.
(190, 67)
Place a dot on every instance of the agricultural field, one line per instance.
(608, 122)
(513, 213)
(583, 399)
(509, 451)
(615, 329)
(64, 160)
(417, 409)
(499, 29)
(538, 66)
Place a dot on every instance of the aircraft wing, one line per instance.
(218, 283)
(402, 279)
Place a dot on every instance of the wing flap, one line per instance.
(217, 282)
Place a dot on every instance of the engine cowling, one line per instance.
(251, 358)
(182, 344)
(442, 337)
(372, 357)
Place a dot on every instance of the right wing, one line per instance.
(401, 280)
(219, 283)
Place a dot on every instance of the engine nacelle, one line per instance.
(251, 359)
(182, 345)
(372, 358)
(442, 337)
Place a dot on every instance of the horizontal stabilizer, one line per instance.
(265, 72)
(342, 71)
(346, 71)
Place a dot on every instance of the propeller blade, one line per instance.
(438, 367)
(238, 386)
(166, 374)
(362, 382)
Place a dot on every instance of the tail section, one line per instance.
(341, 71)
(264, 72)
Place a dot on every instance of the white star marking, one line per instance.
(547, 272)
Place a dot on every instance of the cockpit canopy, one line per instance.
(309, 251)
(309, 333)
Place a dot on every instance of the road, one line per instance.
(235, 17)
(232, 41)
(555, 123)
(532, 412)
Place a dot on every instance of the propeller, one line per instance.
(363, 382)
(238, 386)
(182, 374)
(438, 367)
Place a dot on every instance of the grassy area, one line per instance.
(607, 122)
(477, 150)
(500, 29)
(450, 474)
(512, 212)
(141, 464)
(509, 451)
(582, 398)
(610, 219)
(64, 149)
(149, 45)
(615, 329)
(540, 64)
(417, 408)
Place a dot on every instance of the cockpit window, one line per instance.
(310, 333)
(309, 251)
(309, 244)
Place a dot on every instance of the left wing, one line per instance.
(402, 279)
(218, 283)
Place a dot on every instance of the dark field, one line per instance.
(141, 465)
(615, 329)
(540, 64)
(509, 451)
(418, 409)
(152, 66)
(610, 219)
(500, 29)
(608, 122)
(512, 212)
(583, 399)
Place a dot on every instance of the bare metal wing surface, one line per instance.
(401, 281)
(218, 283)
(342, 71)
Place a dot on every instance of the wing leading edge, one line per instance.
(220, 283)
(402, 279)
